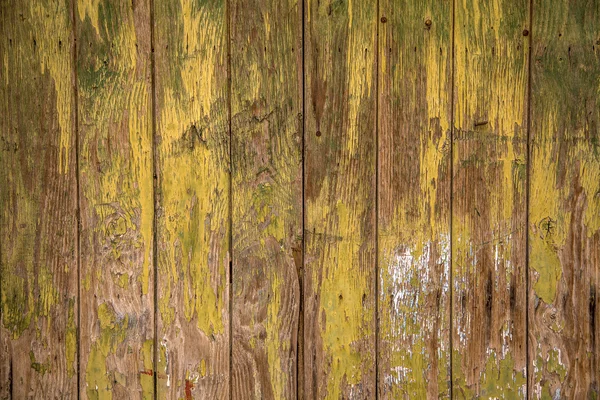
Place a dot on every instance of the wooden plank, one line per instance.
(116, 194)
(266, 106)
(489, 199)
(415, 45)
(564, 211)
(340, 176)
(38, 202)
(193, 226)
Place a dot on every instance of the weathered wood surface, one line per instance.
(38, 202)
(116, 195)
(489, 199)
(192, 146)
(564, 211)
(415, 47)
(266, 148)
(337, 199)
(340, 177)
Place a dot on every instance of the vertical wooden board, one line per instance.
(415, 44)
(340, 176)
(489, 199)
(192, 199)
(38, 202)
(266, 106)
(116, 195)
(564, 211)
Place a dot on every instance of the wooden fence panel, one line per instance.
(116, 194)
(193, 226)
(340, 193)
(489, 199)
(266, 129)
(415, 47)
(38, 202)
(564, 211)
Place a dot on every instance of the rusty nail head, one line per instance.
(428, 22)
(318, 133)
(525, 32)
(383, 20)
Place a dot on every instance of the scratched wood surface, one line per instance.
(116, 198)
(415, 42)
(38, 202)
(564, 212)
(192, 164)
(266, 151)
(317, 199)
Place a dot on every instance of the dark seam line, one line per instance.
(78, 240)
(154, 198)
(230, 237)
(451, 274)
(527, 202)
(377, 202)
(300, 338)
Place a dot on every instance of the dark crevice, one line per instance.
(377, 84)
(527, 201)
(451, 267)
(230, 204)
(155, 200)
(300, 338)
(75, 101)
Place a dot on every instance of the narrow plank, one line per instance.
(116, 195)
(564, 212)
(489, 199)
(266, 102)
(192, 199)
(415, 45)
(38, 202)
(340, 176)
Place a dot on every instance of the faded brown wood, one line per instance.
(266, 129)
(415, 40)
(192, 146)
(38, 202)
(489, 199)
(339, 280)
(117, 210)
(564, 211)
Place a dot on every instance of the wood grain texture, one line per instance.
(489, 199)
(564, 212)
(340, 176)
(415, 40)
(116, 195)
(38, 196)
(266, 102)
(192, 199)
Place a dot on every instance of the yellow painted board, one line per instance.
(266, 148)
(116, 195)
(192, 147)
(414, 120)
(564, 211)
(340, 194)
(38, 202)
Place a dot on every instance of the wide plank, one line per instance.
(489, 190)
(38, 202)
(340, 195)
(564, 210)
(266, 148)
(116, 195)
(415, 48)
(193, 226)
